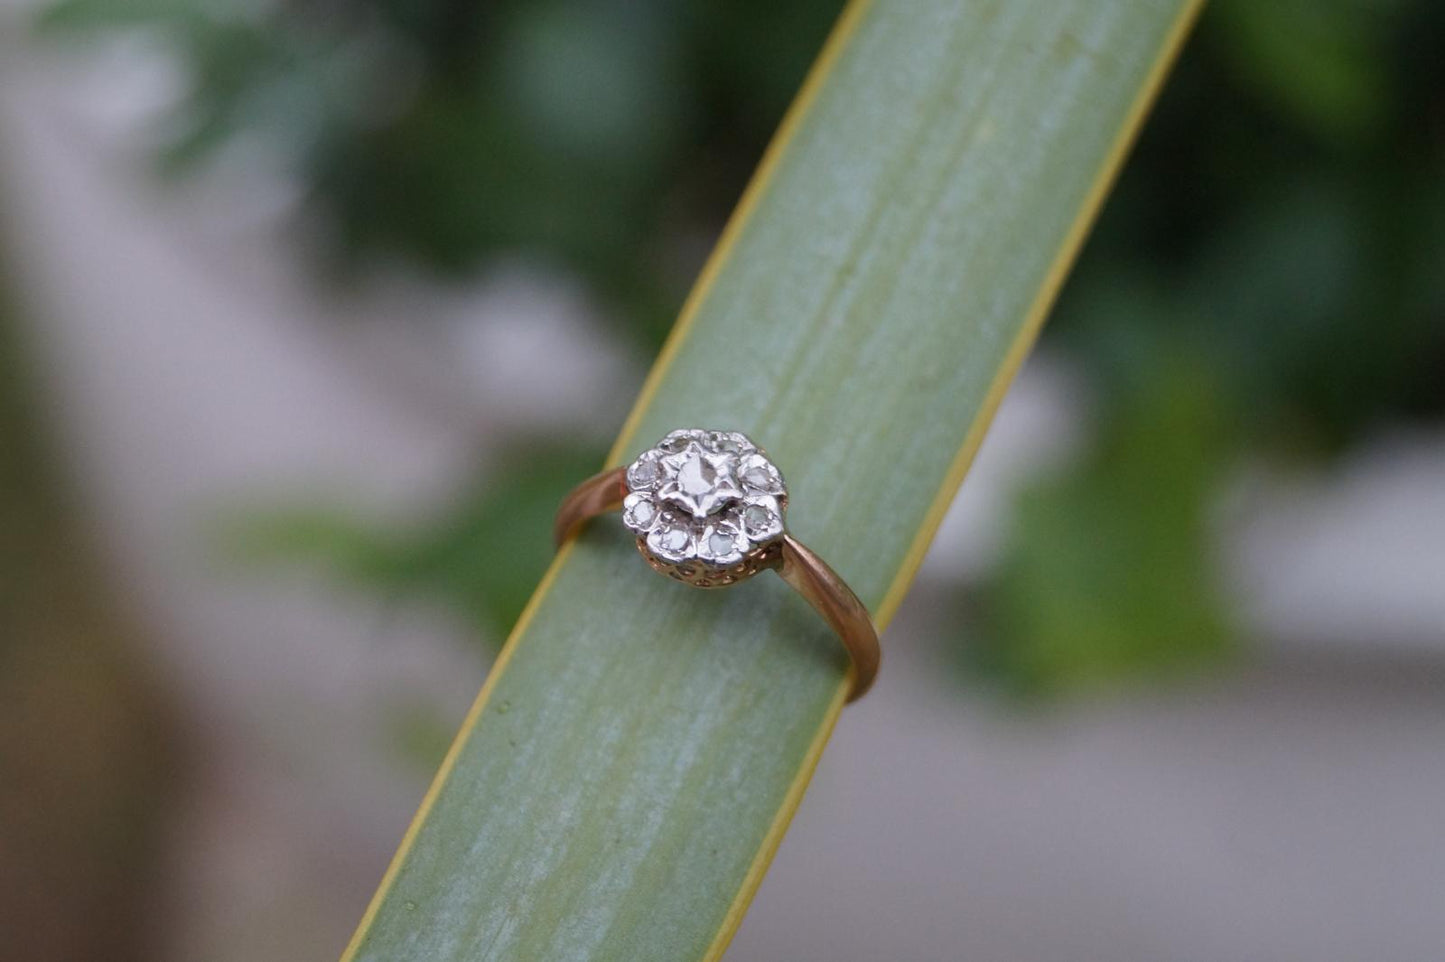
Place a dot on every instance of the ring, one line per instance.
(707, 509)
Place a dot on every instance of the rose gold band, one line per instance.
(808, 574)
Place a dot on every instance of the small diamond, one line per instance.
(761, 519)
(644, 474)
(671, 539)
(721, 545)
(678, 440)
(729, 442)
(759, 475)
(639, 511)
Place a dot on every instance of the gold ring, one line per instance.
(707, 508)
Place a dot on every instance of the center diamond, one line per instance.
(708, 501)
(699, 481)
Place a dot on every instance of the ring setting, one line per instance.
(706, 506)
(707, 509)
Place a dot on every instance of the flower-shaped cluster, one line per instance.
(707, 496)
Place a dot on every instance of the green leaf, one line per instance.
(627, 772)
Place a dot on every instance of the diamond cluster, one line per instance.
(707, 496)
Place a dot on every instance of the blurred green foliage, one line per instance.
(483, 559)
(1267, 281)
(602, 134)
(1107, 573)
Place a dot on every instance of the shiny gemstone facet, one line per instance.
(644, 474)
(709, 496)
(639, 512)
(762, 519)
(671, 539)
(699, 481)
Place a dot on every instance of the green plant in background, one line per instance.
(1268, 282)
(440, 561)
(1277, 240)
(591, 132)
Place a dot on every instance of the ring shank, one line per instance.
(599, 494)
(804, 571)
(811, 577)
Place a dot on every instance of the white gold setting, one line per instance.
(707, 496)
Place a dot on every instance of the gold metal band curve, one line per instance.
(808, 574)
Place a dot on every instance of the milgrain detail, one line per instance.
(700, 576)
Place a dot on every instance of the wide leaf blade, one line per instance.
(638, 749)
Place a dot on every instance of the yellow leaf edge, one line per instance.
(837, 40)
(893, 597)
(1013, 360)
